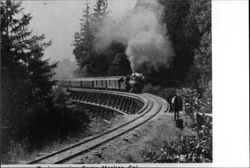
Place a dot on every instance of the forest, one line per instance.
(29, 105)
(187, 26)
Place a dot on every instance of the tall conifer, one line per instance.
(26, 76)
(84, 39)
(83, 42)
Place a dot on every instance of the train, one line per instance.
(133, 83)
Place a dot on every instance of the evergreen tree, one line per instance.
(118, 60)
(187, 23)
(100, 11)
(120, 65)
(83, 42)
(198, 33)
(91, 63)
(175, 16)
(203, 53)
(26, 78)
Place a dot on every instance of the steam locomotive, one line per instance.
(132, 83)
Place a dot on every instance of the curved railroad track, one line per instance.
(152, 106)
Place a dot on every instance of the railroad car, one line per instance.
(120, 83)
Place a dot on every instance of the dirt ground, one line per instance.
(128, 148)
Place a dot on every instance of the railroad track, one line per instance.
(153, 105)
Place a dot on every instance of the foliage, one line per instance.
(195, 102)
(111, 61)
(84, 39)
(83, 42)
(120, 65)
(186, 149)
(207, 98)
(100, 12)
(26, 77)
(175, 17)
(30, 113)
(60, 121)
(189, 28)
(203, 61)
(200, 17)
(188, 25)
(118, 61)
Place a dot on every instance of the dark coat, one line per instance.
(177, 103)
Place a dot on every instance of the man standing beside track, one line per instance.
(175, 104)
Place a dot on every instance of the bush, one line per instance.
(186, 149)
(60, 120)
(197, 102)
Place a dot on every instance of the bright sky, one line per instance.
(59, 20)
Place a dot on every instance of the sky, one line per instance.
(59, 20)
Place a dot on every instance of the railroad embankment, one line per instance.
(20, 155)
(130, 147)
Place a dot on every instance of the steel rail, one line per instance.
(158, 109)
(110, 131)
(146, 105)
(81, 143)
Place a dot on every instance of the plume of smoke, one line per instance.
(144, 34)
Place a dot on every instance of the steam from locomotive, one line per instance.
(144, 34)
